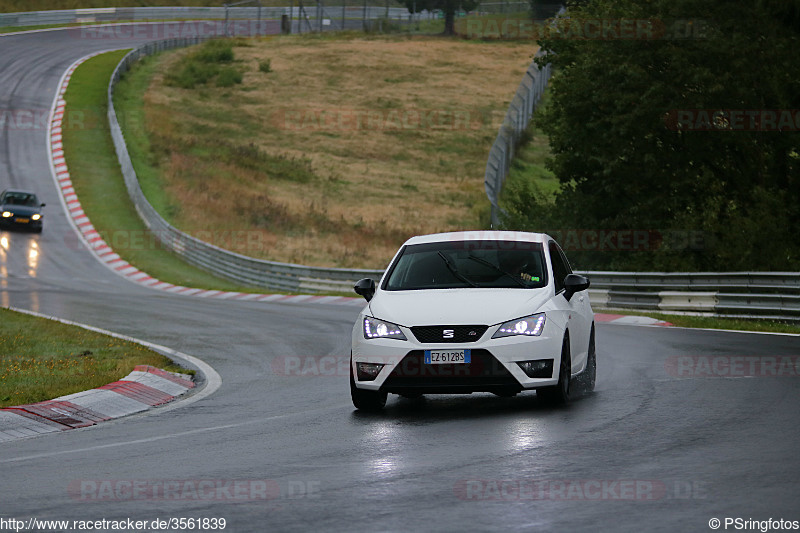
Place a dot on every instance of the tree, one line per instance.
(543, 9)
(449, 8)
(628, 158)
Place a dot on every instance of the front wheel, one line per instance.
(365, 400)
(559, 393)
(590, 374)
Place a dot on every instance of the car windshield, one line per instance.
(482, 264)
(20, 198)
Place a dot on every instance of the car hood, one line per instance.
(456, 306)
(20, 209)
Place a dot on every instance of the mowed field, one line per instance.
(331, 151)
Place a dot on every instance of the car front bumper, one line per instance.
(493, 368)
(20, 222)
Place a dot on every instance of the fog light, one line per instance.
(542, 368)
(367, 371)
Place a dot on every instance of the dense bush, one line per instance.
(209, 62)
(623, 161)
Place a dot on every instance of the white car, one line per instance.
(480, 311)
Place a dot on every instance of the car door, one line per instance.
(577, 309)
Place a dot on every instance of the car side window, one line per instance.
(560, 267)
(564, 258)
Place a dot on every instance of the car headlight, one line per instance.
(380, 329)
(531, 326)
(37, 216)
(7, 214)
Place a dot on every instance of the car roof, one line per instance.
(479, 235)
(20, 191)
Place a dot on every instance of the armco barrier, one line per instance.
(746, 294)
(124, 14)
(774, 295)
(134, 14)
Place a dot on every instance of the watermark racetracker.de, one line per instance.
(148, 239)
(629, 490)
(347, 119)
(602, 240)
(191, 490)
(153, 31)
(733, 120)
(583, 29)
(733, 366)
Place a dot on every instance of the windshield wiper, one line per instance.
(455, 272)
(517, 280)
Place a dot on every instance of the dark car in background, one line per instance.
(20, 209)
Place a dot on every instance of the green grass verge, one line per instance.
(98, 181)
(43, 359)
(530, 161)
(14, 29)
(529, 164)
(710, 322)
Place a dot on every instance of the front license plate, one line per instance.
(23, 220)
(441, 357)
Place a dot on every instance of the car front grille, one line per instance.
(448, 334)
(483, 374)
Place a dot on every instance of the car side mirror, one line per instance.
(43, 204)
(365, 287)
(575, 283)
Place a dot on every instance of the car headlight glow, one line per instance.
(379, 329)
(530, 326)
(37, 216)
(7, 214)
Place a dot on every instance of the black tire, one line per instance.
(365, 400)
(589, 375)
(559, 394)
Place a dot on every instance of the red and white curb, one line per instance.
(628, 320)
(140, 390)
(144, 388)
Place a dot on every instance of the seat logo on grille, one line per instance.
(448, 334)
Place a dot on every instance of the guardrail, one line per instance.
(119, 14)
(126, 14)
(773, 295)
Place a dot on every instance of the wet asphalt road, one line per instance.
(654, 448)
